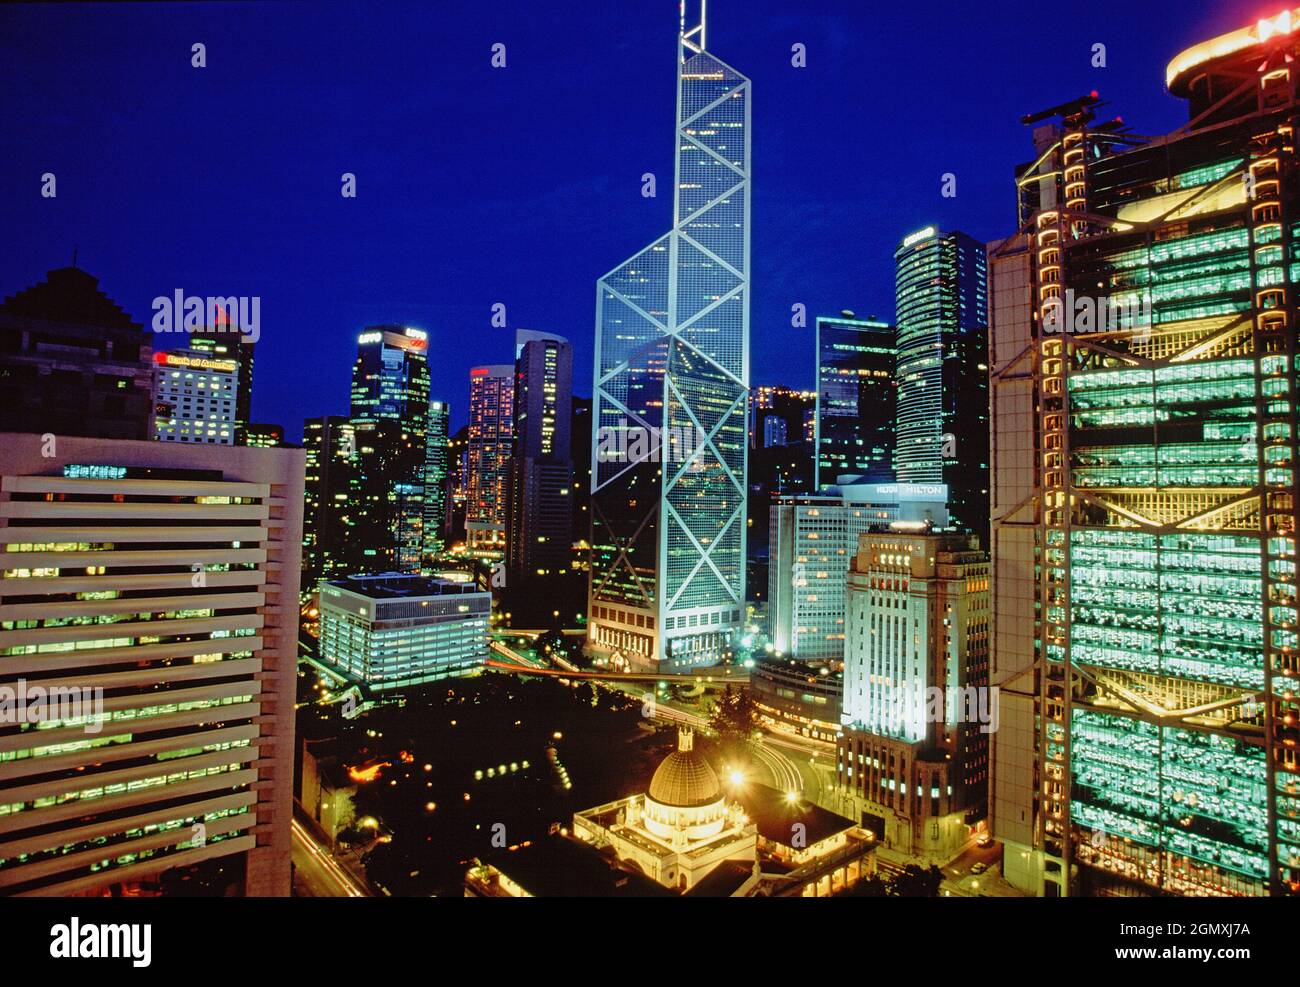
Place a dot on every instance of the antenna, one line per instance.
(74, 255)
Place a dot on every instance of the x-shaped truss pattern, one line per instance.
(672, 355)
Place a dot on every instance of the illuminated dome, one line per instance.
(684, 780)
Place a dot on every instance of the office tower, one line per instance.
(457, 484)
(941, 294)
(390, 378)
(153, 587)
(540, 540)
(364, 511)
(390, 383)
(435, 482)
(1144, 430)
(260, 435)
(385, 498)
(489, 447)
(789, 406)
(856, 400)
(812, 540)
(773, 431)
(580, 436)
(917, 711)
(672, 373)
(194, 397)
(224, 342)
(329, 443)
(391, 630)
(73, 362)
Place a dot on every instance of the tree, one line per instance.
(869, 887)
(918, 882)
(734, 714)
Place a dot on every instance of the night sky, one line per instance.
(522, 185)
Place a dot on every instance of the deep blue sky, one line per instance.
(521, 185)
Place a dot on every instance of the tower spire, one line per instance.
(692, 27)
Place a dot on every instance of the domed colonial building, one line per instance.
(686, 836)
(682, 829)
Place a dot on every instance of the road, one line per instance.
(785, 775)
(316, 873)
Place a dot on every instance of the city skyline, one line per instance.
(810, 205)
(990, 593)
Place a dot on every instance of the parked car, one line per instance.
(979, 868)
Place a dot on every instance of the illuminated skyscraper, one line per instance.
(390, 409)
(941, 294)
(390, 378)
(329, 445)
(541, 476)
(671, 376)
(812, 541)
(226, 344)
(487, 465)
(856, 399)
(435, 482)
(1144, 611)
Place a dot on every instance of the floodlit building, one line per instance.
(688, 835)
(917, 711)
(223, 341)
(681, 829)
(392, 630)
(154, 588)
(1144, 517)
(667, 583)
(812, 541)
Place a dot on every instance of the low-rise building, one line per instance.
(686, 836)
(391, 630)
(800, 697)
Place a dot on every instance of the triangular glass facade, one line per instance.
(671, 384)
